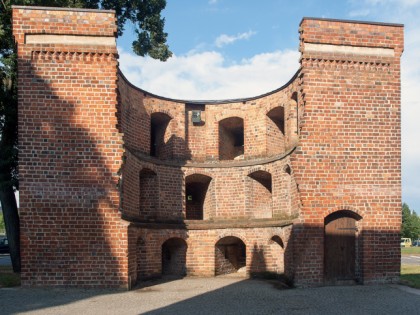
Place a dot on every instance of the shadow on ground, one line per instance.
(219, 295)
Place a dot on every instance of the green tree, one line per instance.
(410, 223)
(2, 227)
(145, 15)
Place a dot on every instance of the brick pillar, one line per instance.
(349, 155)
(69, 148)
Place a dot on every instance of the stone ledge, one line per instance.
(210, 164)
(210, 224)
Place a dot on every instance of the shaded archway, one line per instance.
(230, 255)
(275, 131)
(341, 254)
(158, 125)
(260, 194)
(174, 253)
(149, 194)
(231, 138)
(196, 187)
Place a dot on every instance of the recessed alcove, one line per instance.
(196, 187)
(231, 138)
(158, 124)
(275, 131)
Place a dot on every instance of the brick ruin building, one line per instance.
(118, 185)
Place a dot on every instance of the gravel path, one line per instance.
(213, 296)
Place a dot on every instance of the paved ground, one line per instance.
(214, 296)
(221, 295)
(5, 260)
(410, 259)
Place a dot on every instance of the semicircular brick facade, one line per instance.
(119, 185)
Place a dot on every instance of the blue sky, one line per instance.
(231, 48)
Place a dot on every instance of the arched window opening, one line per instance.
(230, 256)
(174, 253)
(260, 194)
(149, 194)
(158, 125)
(275, 131)
(231, 138)
(196, 187)
(341, 247)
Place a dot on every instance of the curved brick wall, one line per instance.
(119, 185)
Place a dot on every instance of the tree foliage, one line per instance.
(145, 15)
(410, 223)
(2, 227)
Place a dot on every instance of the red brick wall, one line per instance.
(70, 152)
(95, 214)
(350, 144)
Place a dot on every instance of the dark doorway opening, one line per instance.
(230, 256)
(174, 255)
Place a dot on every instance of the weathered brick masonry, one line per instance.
(119, 185)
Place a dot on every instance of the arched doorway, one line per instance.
(174, 253)
(230, 256)
(340, 247)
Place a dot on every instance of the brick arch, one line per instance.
(188, 172)
(219, 117)
(281, 103)
(263, 168)
(164, 111)
(343, 208)
(287, 168)
(172, 235)
(149, 166)
(273, 105)
(237, 235)
(272, 240)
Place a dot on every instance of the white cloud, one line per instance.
(224, 39)
(212, 1)
(357, 13)
(404, 3)
(204, 75)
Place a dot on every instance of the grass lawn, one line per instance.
(410, 250)
(410, 275)
(8, 278)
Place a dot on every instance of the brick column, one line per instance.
(349, 155)
(69, 148)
